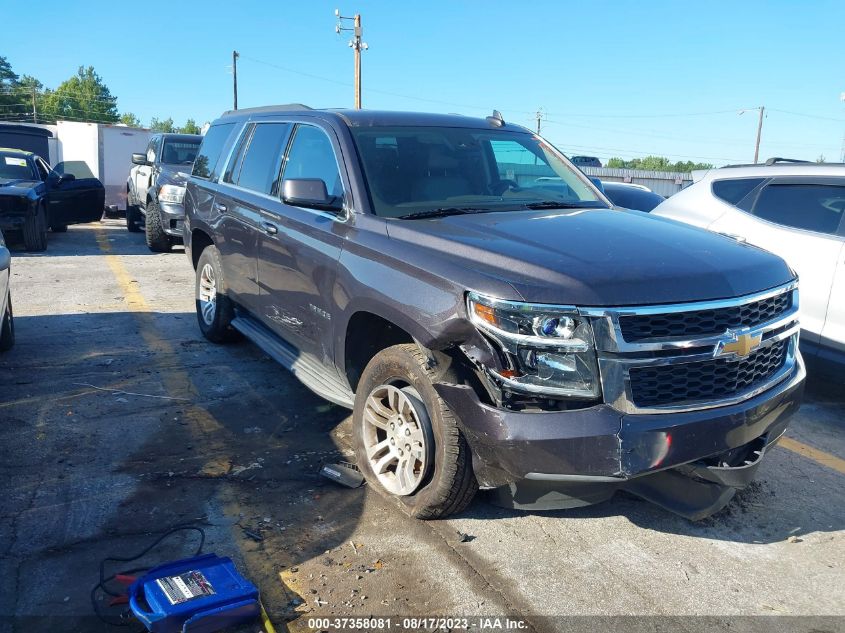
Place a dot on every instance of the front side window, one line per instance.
(262, 160)
(812, 207)
(311, 155)
(208, 156)
(420, 170)
(152, 149)
(43, 170)
(179, 152)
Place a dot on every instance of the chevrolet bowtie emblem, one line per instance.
(742, 345)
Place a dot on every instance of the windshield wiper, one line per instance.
(442, 212)
(555, 204)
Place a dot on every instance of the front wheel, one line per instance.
(35, 231)
(133, 218)
(407, 441)
(215, 310)
(157, 240)
(7, 328)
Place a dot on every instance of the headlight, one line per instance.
(171, 193)
(550, 348)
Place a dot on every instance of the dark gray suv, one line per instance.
(489, 317)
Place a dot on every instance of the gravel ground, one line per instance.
(120, 420)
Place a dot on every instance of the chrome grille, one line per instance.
(709, 380)
(704, 322)
(683, 357)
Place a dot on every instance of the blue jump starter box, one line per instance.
(194, 595)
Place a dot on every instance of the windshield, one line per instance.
(14, 167)
(417, 170)
(179, 152)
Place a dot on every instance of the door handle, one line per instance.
(270, 229)
(222, 208)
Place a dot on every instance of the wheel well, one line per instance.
(366, 335)
(199, 242)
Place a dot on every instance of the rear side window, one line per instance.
(208, 157)
(263, 158)
(732, 191)
(311, 156)
(812, 207)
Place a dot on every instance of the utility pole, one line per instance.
(762, 110)
(34, 107)
(759, 131)
(235, 56)
(539, 116)
(356, 44)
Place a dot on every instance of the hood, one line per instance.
(174, 175)
(17, 187)
(597, 257)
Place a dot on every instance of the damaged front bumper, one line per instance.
(690, 463)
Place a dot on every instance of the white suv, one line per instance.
(794, 209)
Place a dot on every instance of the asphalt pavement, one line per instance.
(118, 420)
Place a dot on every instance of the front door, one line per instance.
(300, 249)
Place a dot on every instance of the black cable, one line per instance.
(101, 586)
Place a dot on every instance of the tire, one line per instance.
(157, 240)
(7, 328)
(446, 483)
(60, 228)
(216, 326)
(35, 231)
(133, 218)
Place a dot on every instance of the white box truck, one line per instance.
(103, 151)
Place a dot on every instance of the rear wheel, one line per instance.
(7, 328)
(35, 230)
(215, 310)
(407, 440)
(157, 240)
(133, 218)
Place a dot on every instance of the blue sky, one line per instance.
(615, 78)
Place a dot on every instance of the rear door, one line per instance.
(300, 247)
(798, 219)
(245, 196)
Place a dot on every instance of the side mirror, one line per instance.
(310, 193)
(139, 159)
(66, 178)
(598, 184)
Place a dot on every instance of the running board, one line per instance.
(307, 369)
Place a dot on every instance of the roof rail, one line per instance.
(285, 107)
(777, 159)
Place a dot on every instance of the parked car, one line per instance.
(630, 195)
(156, 188)
(585, 161)
(524, 337)
(34, 198)
(795, 210)
(7, 319)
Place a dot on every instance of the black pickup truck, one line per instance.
(492, 320)
(34, 198)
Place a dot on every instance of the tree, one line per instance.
(165, 125)
(83, 97)
(190, 127)
(821, 159)
(9, 99)
(657, 163)
(128, 118)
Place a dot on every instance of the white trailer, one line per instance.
(103, 151)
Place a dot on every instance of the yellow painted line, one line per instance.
(820, 457)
